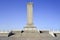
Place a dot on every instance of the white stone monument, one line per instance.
(30, 25)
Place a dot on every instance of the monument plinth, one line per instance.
(30, 25)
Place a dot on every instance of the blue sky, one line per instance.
(46, 14)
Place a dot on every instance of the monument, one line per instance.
(29, 32)
(30, 24)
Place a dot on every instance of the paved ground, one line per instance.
(29, 35)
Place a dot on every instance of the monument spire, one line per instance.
(30, 25)
(29, 13)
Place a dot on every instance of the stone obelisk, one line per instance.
(29, 14)
(30, 25)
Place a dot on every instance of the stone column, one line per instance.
(29, 13)
(30, 25)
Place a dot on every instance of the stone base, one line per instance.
(30, 27)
